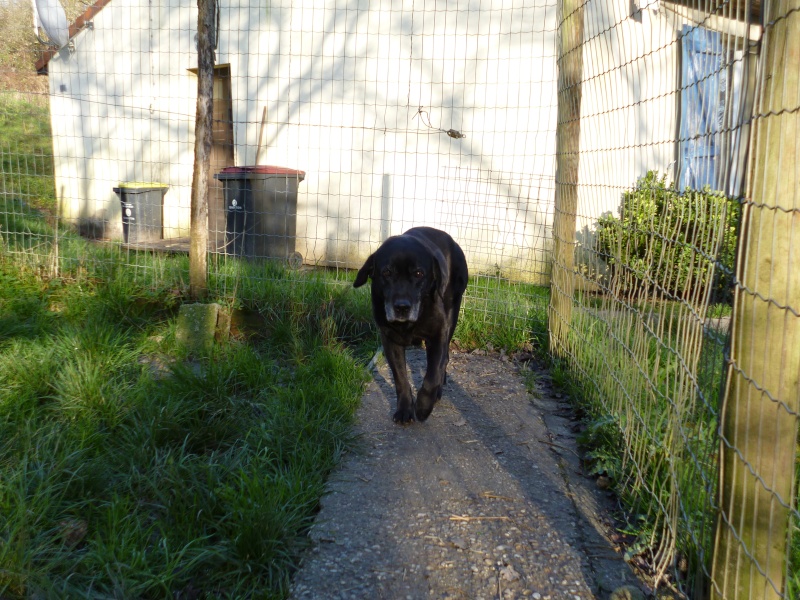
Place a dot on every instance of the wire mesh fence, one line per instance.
(620, 154)
(656, 123)
(363, 122)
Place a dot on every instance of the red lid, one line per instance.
(264, 170)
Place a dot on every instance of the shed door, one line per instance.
(703, 84)
(712, 112)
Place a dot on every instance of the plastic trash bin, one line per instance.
(142, 210)
(260, 211)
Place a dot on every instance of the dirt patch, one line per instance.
(486, 499)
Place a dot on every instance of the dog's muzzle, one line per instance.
(401, 311)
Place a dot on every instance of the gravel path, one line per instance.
(484, 500)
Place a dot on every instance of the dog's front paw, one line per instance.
(403, 415)
(425, 402)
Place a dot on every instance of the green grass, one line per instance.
(120, 479)
(24, 123)
(500, 314)
(717, 311)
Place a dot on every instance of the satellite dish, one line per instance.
(50, 16)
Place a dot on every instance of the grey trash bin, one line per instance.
(142, 210)
(260, 210)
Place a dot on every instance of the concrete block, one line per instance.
(197, 326)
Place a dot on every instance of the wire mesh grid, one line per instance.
(379, 117)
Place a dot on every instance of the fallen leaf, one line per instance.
(73, 531)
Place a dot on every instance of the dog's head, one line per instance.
(405, 271)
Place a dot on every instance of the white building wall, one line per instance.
(343, 86)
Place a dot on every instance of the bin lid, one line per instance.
(259, 170)
(142, 184)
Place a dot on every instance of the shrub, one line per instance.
(666, 240)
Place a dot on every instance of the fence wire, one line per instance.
(662, 219)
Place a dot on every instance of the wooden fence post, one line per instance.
(568, 129)
(760, 412)
(198, 229)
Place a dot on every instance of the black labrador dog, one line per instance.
(418, 279)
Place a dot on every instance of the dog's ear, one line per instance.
(441, 270)
(364, 272)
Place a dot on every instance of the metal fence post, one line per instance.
(759, 418)
(568, 129)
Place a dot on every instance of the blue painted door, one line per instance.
(704, 82)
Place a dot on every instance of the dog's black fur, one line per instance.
(418, 279)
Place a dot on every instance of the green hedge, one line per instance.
(664, 239)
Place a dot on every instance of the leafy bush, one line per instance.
(665, 240)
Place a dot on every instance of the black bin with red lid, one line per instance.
(260, 210)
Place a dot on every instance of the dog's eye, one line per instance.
(419, 273)
(386, 272)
